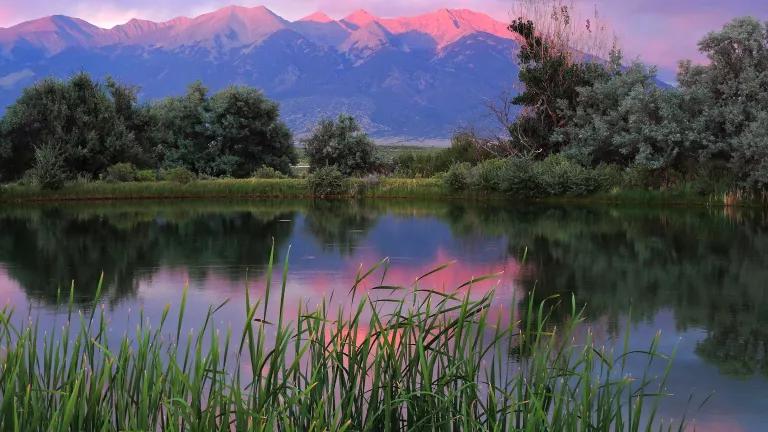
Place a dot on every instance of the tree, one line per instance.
(248, 134)
(627, 119)
(80, 116)
(730, 95)
(341, 143)
(181, 128)
(551, 72)
(233, 133)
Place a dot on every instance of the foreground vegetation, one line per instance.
(433, 360)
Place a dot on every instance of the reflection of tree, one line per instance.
(47, 249)
(340, 224)
(709, 269)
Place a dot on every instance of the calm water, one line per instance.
(700, 277)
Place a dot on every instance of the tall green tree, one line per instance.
(551, 75)
(341, 143)
(628, 120)
(247, 133)
(730, 94)
(232, 133)
(79, 117)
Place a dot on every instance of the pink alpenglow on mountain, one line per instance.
(419, 76)
(317, 17)
(235, 26)
(447, 26)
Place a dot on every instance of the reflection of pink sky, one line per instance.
(11, 293)
(715, 426)
(310, 287)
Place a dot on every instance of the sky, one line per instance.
(659, 32)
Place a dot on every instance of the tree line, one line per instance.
(78, 128)
(714, 122)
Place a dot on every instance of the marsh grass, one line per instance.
(419, 359)
(218, 188)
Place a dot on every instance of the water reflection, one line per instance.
(708, 267)
(697, 274)
(46, 249)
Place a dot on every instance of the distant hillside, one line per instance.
(415, 77)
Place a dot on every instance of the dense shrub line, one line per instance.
(606, 113)
(526, 178)
(82, 129)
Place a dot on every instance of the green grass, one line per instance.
(386, 187)
(221, 188)
(419, 360)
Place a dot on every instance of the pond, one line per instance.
(698, 276)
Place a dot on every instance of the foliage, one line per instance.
(360, 187)
(427, 163)
(457, 179)
(232, 133)
(179, 175)
(288, 375)
(555, 176)
(729, 96)
(327, 181)
(147, 175)
(629, 121)
(341, 143)
(121, 172)
(266, 172)
(94, 125)
(551, 77)
(48, 170)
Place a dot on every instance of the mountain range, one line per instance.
(411, 77)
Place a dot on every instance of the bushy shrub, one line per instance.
(179, 175)
(516, 178)
(146, 175)
(121, 172)
(327, 182)
(488, 175)
(527, 178)
(457, 179)
(559, 176)
(48, 169)
(341, 143)
(266, 172)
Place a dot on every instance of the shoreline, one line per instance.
(298, 189)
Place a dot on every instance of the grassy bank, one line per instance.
(223, 188)
(419, 360)
(429, 188)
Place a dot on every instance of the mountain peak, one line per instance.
(446, 26)
(256, 12)
(318, 17)
(359, 18)
(54, 33)
(226, 27)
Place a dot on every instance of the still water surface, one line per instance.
(699, 276)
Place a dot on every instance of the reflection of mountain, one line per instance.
(415, 76)
(47, 249)
(710, 270)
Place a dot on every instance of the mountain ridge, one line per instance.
(373, 67)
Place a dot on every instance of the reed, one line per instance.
(429, 360)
